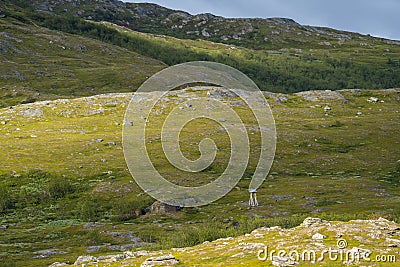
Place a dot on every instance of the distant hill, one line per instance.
(279, 54)
(253, 33)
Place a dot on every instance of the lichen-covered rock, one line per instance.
(84, 259)
(167, 260)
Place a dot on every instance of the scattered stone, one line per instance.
(167, 260)
(359, 113)
(308, 222)
(283, 261)
(121, 247)
(98, 140)
(84, 259)
(220, 94)
(32, 112)
(327, 108)
(318, 236)
(373, 100)
(318, 95)
(47, 253)
(258, 235)
(205, 33)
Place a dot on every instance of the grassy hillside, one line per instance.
(40, 64)
(63, 166)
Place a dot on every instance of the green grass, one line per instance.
(57, 175)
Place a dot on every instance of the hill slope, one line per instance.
(40, 64)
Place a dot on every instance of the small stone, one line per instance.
(83, 259)
(373, 100)
(311, 221)
(327, 108)
(359, 113)
(318, 236)
(98, 140)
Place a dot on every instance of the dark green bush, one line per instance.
(6, 201)
(125, 209)
(59, 188)
(90, 210)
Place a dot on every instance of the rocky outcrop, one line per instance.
(162, 208)
(327, 95)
